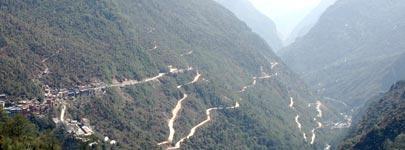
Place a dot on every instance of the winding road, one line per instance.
(313, 136)
(62, 113)
(298, 123)
(273, 64)
(188, 53)
(265, 76)
(297, 117)
(318, 109)
(194, 129)
(43, 61)
(319, 115)
(248, 86)
(155, 78)
(196, 78)
(175, 112)
(291, 103)
(177, 109)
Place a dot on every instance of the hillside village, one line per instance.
(58, 99)
(55, 99)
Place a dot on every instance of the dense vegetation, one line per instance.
(382, 126)
(19, 133)
(258, 22)
(74, 35)
(103, 40)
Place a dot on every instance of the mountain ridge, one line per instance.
(258, 22)
(381, 126)
(309, 21)
(140, 60)
(349, 55)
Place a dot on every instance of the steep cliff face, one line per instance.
(349, 53)
(258, 22)
(383, 125)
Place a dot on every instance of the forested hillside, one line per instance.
(19, 133)
(354, 50)
(382, 126)
(258, 22)
(75, 35)
(175, 73)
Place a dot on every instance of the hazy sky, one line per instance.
(285, 13)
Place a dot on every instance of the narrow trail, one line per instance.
(134, 82)
(320, 125)
(268, 76)
(175, 112)
(291, 103)
(265, 76)
(313, 136)
(43, 61)
(177, 108)
(194, 129)
(346, 123)
(175, 70)
(273, 65)
(298, 123)
(248, 86)
(314, 130)
(62, 113)
(254, 81)
(195, 79)
(186, 54)
(154, 47)
(318, 109)
(316, 118)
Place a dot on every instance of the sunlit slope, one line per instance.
(167, 67)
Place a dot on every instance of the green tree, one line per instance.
(19, 133)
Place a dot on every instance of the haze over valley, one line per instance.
(202, 74)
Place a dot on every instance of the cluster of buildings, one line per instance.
(25, 107)
(53, 98)
(86, 90)
(80, 128)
